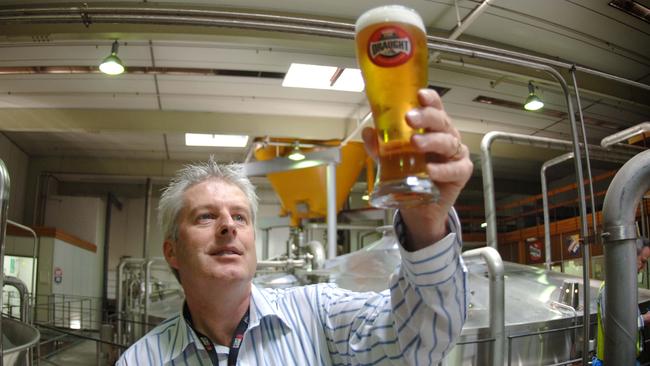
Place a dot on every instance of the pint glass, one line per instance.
(392, 54)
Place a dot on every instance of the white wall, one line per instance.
(79, 216)
(16, 162)
(82, 269)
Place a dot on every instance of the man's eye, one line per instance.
(238, 217)
(205, 216)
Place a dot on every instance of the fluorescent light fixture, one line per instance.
(323, 77)
(206, 139)
(112, 65)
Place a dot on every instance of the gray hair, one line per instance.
(171, 200)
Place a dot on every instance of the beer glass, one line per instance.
(393, 57)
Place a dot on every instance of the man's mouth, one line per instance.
(226, 252)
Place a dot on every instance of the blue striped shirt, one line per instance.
(416, 321)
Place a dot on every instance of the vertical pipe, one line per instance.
(4, 207)
(547, 220)
(147, 218)
(497, 299)
(619, 234)
(265, 243)
(147, 288)
(584, 229)
(587, 160)
(120, 294)
(110, 201)
(331, 210)
(147, 292)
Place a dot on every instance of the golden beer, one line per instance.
(393, 57)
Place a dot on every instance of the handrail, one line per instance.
(547, 221)
(35, 251)
(497, 299)
(612, 139)
(23, 294)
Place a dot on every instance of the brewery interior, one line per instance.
(85, 155)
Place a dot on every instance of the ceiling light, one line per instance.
(112, 65)
(296, 154)
(323, 77)
(206, 139)
(533, 102)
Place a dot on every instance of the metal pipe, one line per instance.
(625, 134)
(547, 221)
(202, 17)
(620, 235)
(147, 285)
(497, 299)
(35, 251)
(547, 227)
(287, 263)
(331, 210)
(316, 225)
(488, 175)
(587, 160)
(490, 206)
(147, 218)
(119, 292)
(4, 207)
(110, 200)
(23, 295)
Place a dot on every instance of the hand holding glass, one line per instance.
(393, 56)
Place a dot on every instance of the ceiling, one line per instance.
(201, 67)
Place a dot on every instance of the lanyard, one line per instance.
(235, 343)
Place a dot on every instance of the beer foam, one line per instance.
(389, 13)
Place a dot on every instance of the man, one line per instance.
(208, 215)
(642, 255)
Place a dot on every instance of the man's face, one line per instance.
(216, 238)
(642, 258)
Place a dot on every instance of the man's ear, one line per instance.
(169, 250)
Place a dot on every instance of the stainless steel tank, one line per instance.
(17, 339)
(541, 326)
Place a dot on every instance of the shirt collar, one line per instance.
(181, 337)
(264, 305)
(261, 306)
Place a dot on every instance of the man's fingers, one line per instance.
(369, 136)
(431, 119)
(443, 144)
(429, 97)
(457, 171)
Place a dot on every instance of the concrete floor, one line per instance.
(82, 354)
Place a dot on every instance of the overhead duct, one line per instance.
(87, 15)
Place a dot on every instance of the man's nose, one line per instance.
(227, 226)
